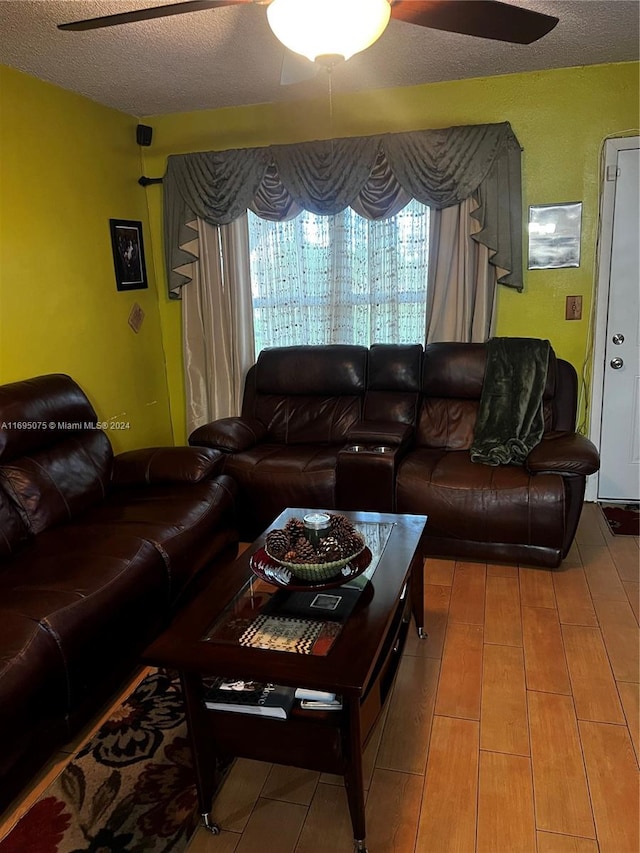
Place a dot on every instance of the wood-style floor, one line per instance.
(513, 729)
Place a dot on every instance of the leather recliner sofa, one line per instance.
(389, 429)
(96, 552)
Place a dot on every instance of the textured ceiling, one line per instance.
(229, 56)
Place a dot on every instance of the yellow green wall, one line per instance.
(561, 118)
(68, 165)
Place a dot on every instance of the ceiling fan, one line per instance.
(328, 30)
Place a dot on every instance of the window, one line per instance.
(340, 279)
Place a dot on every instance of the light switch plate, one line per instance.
(573, 309)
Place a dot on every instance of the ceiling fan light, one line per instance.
(319, 27)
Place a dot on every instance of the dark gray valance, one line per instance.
(375, 175)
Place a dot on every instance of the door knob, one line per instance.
(616, 363)
(618, 339)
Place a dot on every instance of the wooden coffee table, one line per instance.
(360, 664)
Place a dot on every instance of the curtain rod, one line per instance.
(145, 182)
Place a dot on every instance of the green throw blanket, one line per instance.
(510, 420)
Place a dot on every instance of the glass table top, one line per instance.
(263, 616)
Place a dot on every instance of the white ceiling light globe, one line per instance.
(328, 27)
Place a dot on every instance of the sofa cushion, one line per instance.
(453, 375)
(302, 419)
(503, 504)
(307, 394)
(272, 477)
(33, 685)
(322, 370)
(59, 482)
(100, 594)
(188, 524)
(41, 412)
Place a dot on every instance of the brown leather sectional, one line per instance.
(389, 429)
(96, 552)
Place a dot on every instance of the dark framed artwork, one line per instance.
(128, 254)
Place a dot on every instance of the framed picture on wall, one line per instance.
(128, 254)
(554, 235)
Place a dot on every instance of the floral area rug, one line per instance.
(131, 789)
(623, 519)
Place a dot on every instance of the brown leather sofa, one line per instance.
(389, 429)
(96, 552)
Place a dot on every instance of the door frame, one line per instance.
(603, 253)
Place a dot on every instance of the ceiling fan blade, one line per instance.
(149, 14)
(489, 19)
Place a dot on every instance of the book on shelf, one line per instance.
(250, 697)
(314, 695)
(318, 700)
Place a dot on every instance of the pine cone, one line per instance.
(277, 543)
(290, 557)
(350, 543)
(294, 528)
(329, 549)
(305, 552)
(340, 522)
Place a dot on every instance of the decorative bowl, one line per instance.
(316, 571)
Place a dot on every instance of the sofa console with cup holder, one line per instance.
(389, 429)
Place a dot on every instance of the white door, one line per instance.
(619, 478)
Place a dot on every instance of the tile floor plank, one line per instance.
(633, 594)
(499, 570)
(234, 802)
(573, 598)
(274, 827)
(502, 621)
(392, 811)
(613, 782)
(436, 611)
(204, 842)
(536, 588)
(545, 664)
(505, 804)
(620, 633)
(592, 684)
(624, 552)
(460, 683)
(551, 842)
(559, 781)
(601, 573)
(290, 784)
(467, 593)
(449, 802)
(503, 717)
(438, 571)
(327, 828)
(630, 697)
(405, 740)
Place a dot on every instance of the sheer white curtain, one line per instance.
(217, 322)
(340, 279)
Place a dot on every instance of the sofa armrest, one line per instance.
(563, 453)
(165, 465)
(231, 435)
(380, 432)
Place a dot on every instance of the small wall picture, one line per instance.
(554, 235)
(128, 254)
